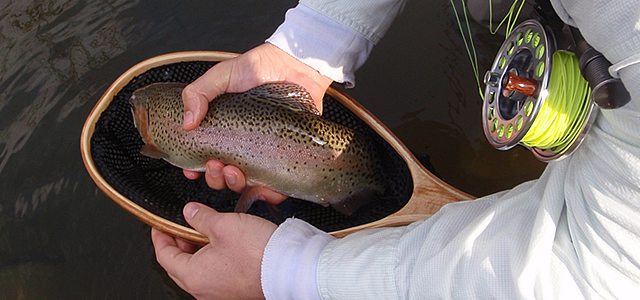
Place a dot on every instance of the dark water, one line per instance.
(61, 238)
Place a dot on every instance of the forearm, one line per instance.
(333, 49)
(335, 37)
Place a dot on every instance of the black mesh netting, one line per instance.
(163, 190)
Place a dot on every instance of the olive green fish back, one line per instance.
(163, 190)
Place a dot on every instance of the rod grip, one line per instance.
(607, 92)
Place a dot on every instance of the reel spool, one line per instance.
(517, 86)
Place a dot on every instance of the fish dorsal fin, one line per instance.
(292, 96)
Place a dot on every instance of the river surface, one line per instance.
(62, 238)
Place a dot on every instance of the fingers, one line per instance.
(227, 268)
(262, 64)
(219, 176)
(196, 96)
(169, 255)
(165, 242)
(186, 246)
(272, 197)
(161, 240)
(191, 174)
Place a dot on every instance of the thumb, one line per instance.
(201, 217)
(197, 95)
(226, 227)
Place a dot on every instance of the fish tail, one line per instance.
(275, 213)
(352, 203)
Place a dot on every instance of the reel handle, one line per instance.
(525, 86)
(607, 92)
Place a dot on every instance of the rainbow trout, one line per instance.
(272, 133)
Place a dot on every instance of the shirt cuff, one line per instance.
(290, 261)
(333, 49)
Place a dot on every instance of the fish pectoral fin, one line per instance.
(248, 196)
(153, 151)
(289, 95)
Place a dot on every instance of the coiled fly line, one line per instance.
(558, 122)
(535, 95)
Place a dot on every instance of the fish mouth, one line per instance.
(132, 106)
(134, 110)
(140, 114)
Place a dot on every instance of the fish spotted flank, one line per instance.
(272, 133)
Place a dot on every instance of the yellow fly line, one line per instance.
(561, 116)
(559, 121)
(509, 20)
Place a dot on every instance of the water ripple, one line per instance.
(46, 47)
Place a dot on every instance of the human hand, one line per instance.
(219, 176)
(263, 64)
(229, 267)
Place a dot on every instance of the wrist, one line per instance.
(334, 50)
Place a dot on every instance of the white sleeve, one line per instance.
(370, 18)
(290, 260)
(332, 48)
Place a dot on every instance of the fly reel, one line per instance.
(517, 88)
